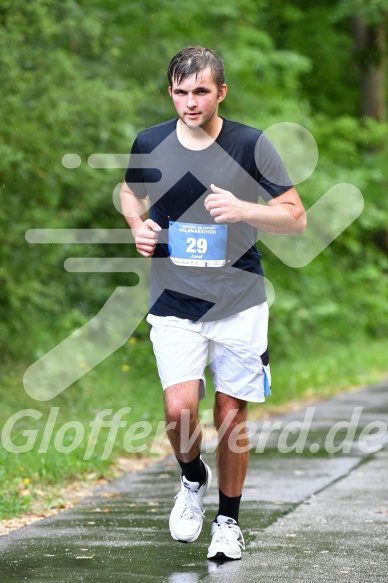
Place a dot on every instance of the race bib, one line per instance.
(196, 245)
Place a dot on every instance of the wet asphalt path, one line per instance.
(307, 515)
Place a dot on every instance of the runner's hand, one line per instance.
(146, 237)
(223, 206)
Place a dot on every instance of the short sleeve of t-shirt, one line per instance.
(273, 176)
(134, 175)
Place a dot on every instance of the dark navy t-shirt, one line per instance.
(177, 181)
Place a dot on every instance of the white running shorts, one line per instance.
(235, 349)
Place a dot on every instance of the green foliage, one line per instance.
(372, 11)
(59, 97)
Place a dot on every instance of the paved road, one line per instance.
(317, 514)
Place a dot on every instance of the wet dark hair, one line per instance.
(193, 60)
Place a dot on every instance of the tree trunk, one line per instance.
(371, 46)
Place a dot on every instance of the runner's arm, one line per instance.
(282, 215)
(145, 231)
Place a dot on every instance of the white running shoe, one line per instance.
(186, 517)
(227, 540)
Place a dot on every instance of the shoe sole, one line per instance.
(222, 557)
(191, 539)
(194, 536)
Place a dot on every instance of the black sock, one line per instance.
(229, 506)
(194, 471)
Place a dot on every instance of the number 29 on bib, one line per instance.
(197, 245)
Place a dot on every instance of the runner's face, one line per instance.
(196, 99)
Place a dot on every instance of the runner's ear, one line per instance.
(222, 91)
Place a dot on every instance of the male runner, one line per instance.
(202, 175)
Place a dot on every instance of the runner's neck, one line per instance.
(198, 138)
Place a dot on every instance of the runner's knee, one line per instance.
(229, 412)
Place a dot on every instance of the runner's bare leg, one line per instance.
(232, 464)
(181, 406)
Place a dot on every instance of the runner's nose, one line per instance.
(191, 101)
